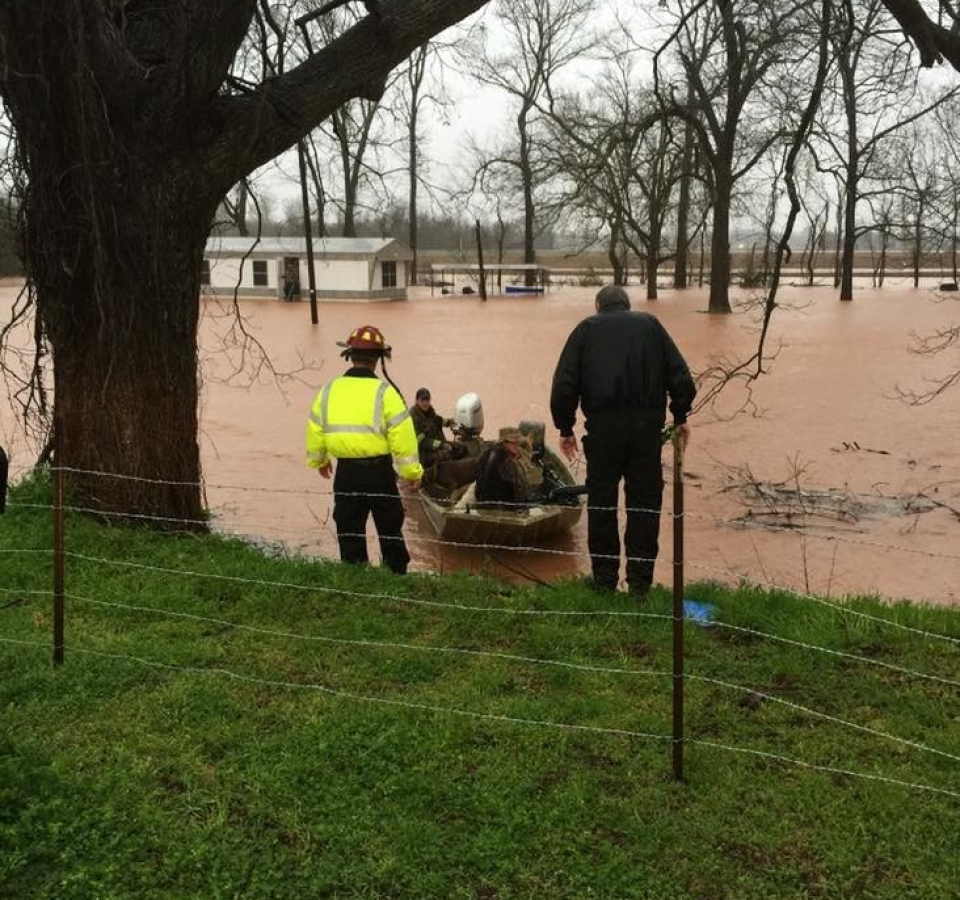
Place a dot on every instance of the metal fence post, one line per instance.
(58, 580)
(677, 606)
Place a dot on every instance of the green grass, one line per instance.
(343, 743)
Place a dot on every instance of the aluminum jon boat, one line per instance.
(456, 515)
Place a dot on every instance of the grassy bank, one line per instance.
(231, 725)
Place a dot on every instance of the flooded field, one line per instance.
(815, 477)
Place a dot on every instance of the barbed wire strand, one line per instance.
(576, 554)
(417, 497)
(511, 657)
(487, 547)
(416, 601)
(498, 547)
(493, 717)
(838, 607)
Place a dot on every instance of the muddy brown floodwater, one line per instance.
(817, 479)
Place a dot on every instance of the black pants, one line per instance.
(622, 446)
(363, 487)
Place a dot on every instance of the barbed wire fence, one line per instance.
(948, 679)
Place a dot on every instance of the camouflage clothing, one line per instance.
(501, 477)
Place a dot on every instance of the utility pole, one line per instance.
(308, 232)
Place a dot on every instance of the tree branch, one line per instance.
(934, 42)
(253, 128)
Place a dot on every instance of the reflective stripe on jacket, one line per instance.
(355, 417)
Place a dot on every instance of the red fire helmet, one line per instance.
(366, 337)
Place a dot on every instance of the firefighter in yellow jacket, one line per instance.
(365, 425)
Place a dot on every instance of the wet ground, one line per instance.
(815, 477)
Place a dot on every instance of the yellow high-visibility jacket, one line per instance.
(357, 416)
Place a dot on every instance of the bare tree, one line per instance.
(415, 95)
(681, 264)
(936, 40)
(415, 74)
(875, 85)
(919, 190)
(235, 204)
(714, 379)
(541, 38)
(130, 132)
(623, 161)
(947, 119)
(728, 50)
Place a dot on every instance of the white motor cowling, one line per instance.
(468, 413)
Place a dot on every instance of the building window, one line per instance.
(260, 273)
(204, 271)
(389, 273)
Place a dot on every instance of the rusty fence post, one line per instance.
(677, 607)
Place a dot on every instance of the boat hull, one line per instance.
(470, 523)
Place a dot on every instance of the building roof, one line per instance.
(330, 247)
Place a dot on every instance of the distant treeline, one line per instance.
(449, 232)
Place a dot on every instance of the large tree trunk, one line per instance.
(720, 247)
(848, 254)
(681, 262)
(653, 252)
(122, 324)
(130, 136)
(116, 218)
(613, 255)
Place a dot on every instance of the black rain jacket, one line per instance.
(619, 360)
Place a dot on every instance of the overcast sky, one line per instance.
(475, 114)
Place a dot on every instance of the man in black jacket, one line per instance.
(619, 367)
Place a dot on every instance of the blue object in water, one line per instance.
(521, 289)
(699, 613)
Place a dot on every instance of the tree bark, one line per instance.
(129, 143)
(720, 245)
(848, 254)
(681, 262)
(613, 255)
(122, 324)
(529, 210)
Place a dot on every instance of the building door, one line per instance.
(291, 278)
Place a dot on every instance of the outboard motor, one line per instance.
(467, 425)
(468, 416)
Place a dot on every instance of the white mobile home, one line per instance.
(344, 268)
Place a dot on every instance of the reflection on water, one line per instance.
(823, 418)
